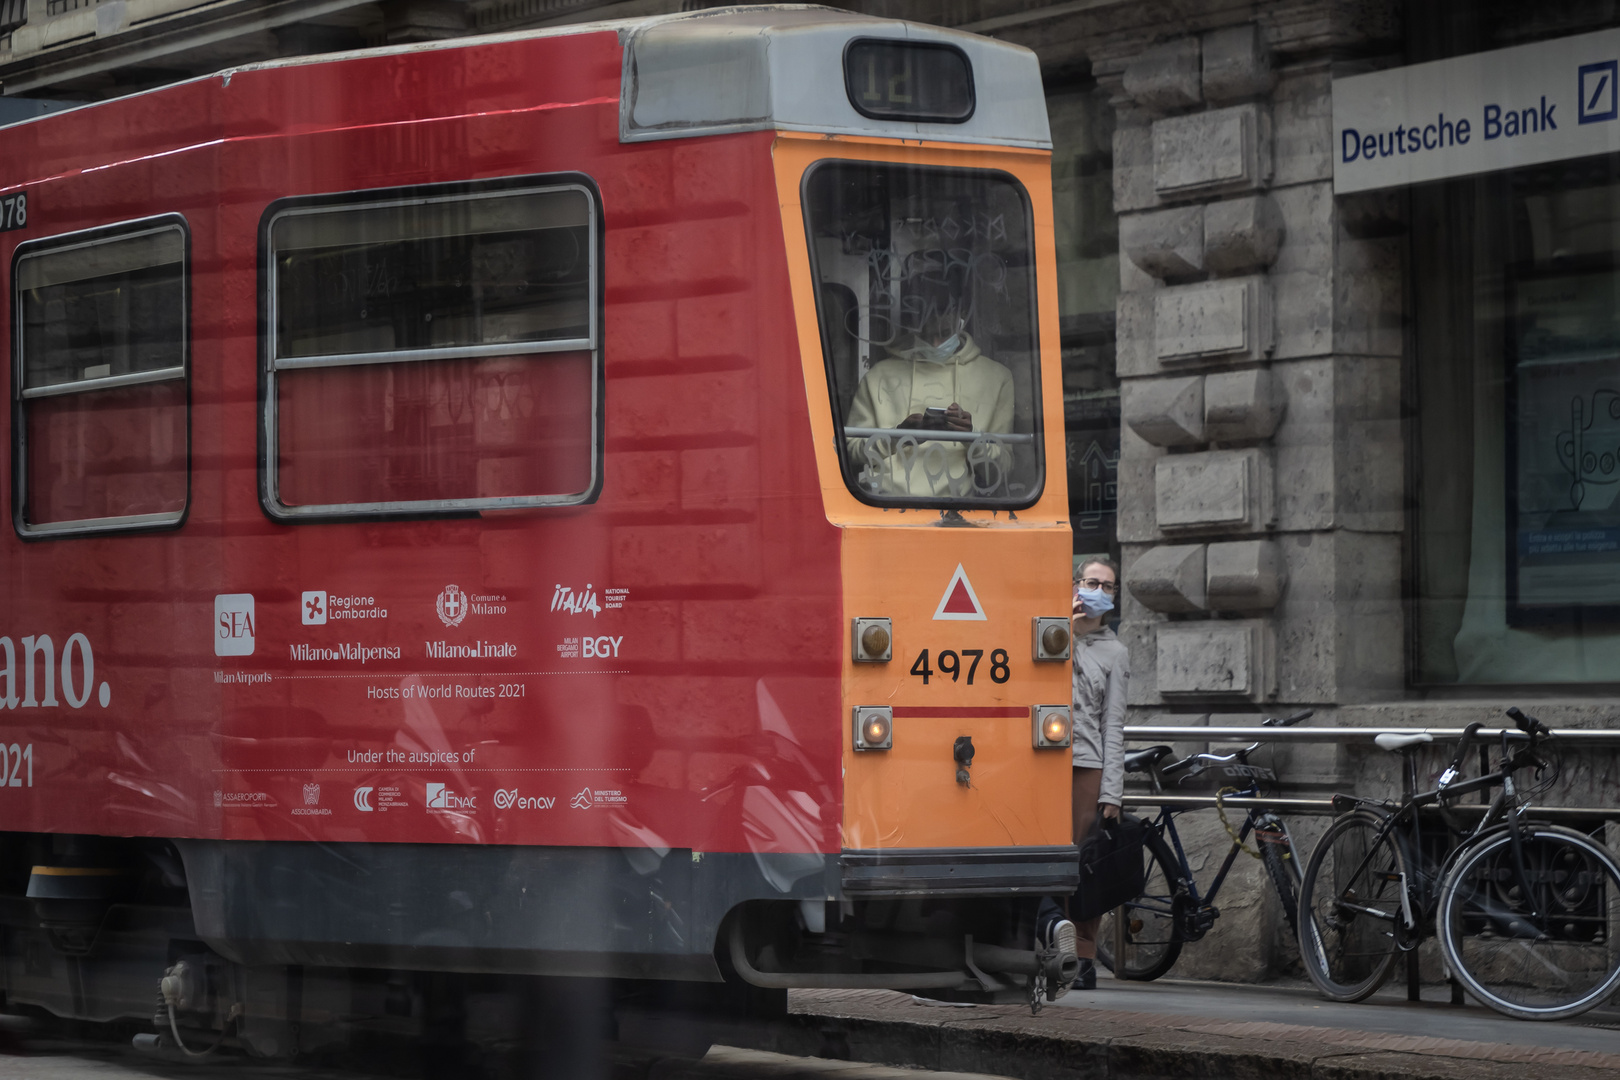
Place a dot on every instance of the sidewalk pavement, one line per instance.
(1173, 1028)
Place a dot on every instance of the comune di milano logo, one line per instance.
(440, 797)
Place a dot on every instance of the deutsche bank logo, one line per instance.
(1599, 100)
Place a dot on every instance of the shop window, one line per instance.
(100, 380)
(432, 353)
(1516, 377)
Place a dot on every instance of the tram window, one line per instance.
(926, 296)
(909, 80)
(432, 354)
(101, 379)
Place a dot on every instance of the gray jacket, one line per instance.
(1102, 668)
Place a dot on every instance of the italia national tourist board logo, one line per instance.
(452, 606)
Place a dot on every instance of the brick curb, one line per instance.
(1095, 1044)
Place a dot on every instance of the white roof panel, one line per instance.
(782, 67)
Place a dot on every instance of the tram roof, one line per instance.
(766, 67)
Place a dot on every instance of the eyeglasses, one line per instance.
(1099, 583)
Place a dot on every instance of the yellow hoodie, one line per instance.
(908, 382)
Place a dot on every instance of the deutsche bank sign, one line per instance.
(1474, 114)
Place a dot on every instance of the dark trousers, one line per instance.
(1085, 786)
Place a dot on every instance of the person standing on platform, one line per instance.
(1102, 669)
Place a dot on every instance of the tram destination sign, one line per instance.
(13, 211)
(1478, 113)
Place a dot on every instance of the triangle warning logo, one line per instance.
(960, 601)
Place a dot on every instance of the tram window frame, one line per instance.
(269, 364)
(22, 393)
(834, 389)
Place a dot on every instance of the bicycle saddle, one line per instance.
(1142, 760)
(1390, 740)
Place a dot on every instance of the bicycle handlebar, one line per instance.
(1288, 721)
(1527, 724)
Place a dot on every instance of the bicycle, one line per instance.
(1170, 910)
(1526, 912)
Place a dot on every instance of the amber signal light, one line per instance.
(1051, 723)
(874, 727)
(1051, 637)
(873, 640)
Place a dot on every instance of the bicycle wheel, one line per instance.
(1152, 933)
(1282, 863)
(1349, 903)
(1538, 945)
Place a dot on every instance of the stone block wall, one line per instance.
(1259, 344)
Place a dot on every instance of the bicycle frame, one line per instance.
(1197, 917)
(1403, 824)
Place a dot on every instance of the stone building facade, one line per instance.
(1290, 411)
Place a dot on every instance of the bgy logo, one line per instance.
(600, 646)
(452, 606)
(313, 608)
(1599, 99)
(440, 797)
(234, 624)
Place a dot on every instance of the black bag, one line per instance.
(1112, 869)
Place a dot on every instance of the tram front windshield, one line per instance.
(925, 281)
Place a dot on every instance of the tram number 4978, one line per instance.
(16, 765)
(951, 663)
(13, 211)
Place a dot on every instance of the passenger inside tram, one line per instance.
(934, 379)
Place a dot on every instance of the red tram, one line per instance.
(583, 502)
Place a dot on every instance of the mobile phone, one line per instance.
(934, 414)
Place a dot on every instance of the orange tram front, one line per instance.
(577, 503)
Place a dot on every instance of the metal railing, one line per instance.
(1189, 733)
(1443, 737)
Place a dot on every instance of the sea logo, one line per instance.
(1599, 97)
(234, 624)
(312, 794)
(313, 608)
(452, 606)
(362, 799)
(582, 801)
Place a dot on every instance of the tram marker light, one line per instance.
(874, 727)
(1051, 637)
(1051, 726)
(873, 640)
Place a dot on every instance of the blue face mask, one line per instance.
(1094, 602)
